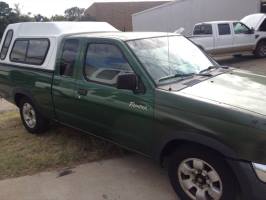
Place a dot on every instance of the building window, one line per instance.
(224, 29)
(30, 51)
(6, 44)
(263, 7)
(104, 63)
(68, 57)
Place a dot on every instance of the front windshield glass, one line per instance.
(169, 56)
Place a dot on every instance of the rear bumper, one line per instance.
(250, 185)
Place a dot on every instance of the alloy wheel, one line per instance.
(29, 115)
(199, 180)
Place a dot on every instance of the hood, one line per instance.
(254, 21)
(239, 89)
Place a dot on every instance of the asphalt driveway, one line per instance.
(129, 178)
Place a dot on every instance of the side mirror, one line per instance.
(127, 82)
(251, 31)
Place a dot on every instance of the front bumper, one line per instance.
(260, 171)
(250, 181)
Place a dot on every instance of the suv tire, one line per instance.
(260, 51)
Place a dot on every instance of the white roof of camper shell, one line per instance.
(54, 31)
(57, 29)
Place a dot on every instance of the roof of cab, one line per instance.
(217, 22)
(126, 36)
(57, 29)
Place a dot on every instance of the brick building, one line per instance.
(119, 14)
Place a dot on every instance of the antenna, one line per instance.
(168, 55)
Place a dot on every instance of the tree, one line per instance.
(9, 16)
(17, 9)
(74, 13)
(40, 18)
(58, 18)
(5, 10)
(86, 17)
(5, 16)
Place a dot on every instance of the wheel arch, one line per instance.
(259, 41)
(180, 139)
(20, 93)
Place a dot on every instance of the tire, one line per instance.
(190, 180)
(31, 118)
(260, 51)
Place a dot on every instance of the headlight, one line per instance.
(260, 171)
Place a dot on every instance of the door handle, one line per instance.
(82, 92)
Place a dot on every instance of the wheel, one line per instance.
(260, 51)
(32, 120)
(201, 174)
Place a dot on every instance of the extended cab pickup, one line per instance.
(154, 93)
(233, 37)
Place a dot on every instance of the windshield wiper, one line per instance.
(208, 69)
(175, 76)
(204, 74)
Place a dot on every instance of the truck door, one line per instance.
(244, 38)
(224, 39)
(64, 85)
(119, 115)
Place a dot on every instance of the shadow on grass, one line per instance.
(22, 153)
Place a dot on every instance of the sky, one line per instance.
(52, 7)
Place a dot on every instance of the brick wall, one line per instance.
(119, 13)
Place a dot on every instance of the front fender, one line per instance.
(182, 137)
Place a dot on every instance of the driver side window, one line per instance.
(240, 28)
(104, 63)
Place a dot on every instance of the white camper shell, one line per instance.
(53, 32)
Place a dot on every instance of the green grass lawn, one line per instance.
(22, 153)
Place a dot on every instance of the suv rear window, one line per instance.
(203, 29)
(30, 51)
(224, 29)
(6, 44)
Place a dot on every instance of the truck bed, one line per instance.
(204, 42)
(16, 81)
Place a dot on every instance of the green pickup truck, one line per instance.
(153, 93)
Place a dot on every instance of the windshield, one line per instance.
(169, 56)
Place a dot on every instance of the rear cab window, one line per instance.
(203, 29)
(224, 29)
(30, 51)
(6, 44)
(68, 57)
